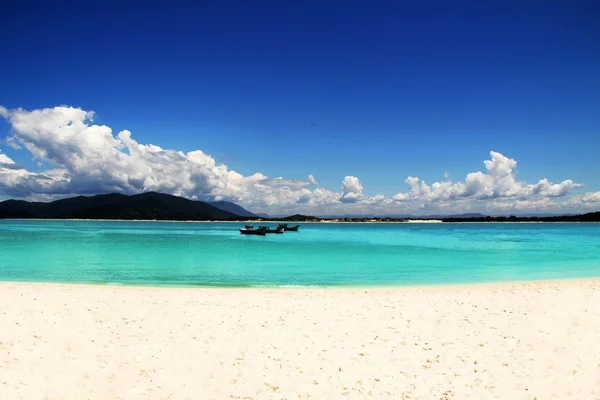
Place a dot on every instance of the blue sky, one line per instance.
(378, 91)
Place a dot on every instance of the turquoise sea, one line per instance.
(216, 254)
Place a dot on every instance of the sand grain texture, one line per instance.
(506, 341)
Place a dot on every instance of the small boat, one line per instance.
(279, 229)
(249, 230)
(288, 228)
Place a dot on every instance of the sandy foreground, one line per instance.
(508, 341)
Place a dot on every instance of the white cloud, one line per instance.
(351, 190)
(549, 189)
(5, 160)
(375, 200)
(592, 197)
(322, 196)
(90, 159)
(498, 182)
(87, 158)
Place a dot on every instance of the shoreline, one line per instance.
(510, 341)
(292, 287)
(303, 222)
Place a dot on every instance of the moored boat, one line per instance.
(288, 228)
(249, 230)
(279, 229)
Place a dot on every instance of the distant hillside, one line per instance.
(589, 217)
(298, 217)
(466, 215)
(232, 208)
(145, 206)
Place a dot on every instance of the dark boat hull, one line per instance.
(268, 230)
(289, 228)
(260, 232)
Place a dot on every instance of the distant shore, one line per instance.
(511, 340)
(324, 221)
(150, 206)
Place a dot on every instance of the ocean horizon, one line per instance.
(215, 254)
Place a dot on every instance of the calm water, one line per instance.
(203, 254)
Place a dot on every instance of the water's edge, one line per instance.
(307, 287)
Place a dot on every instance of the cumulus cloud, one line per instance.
(351, 190)
(549, 189)
(499, 181)
(88, 158)
(5, 160)
(17, 182)
(322, 196)
(592, 197)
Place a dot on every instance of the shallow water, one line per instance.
(216, 254)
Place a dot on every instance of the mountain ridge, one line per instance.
(143, 206)
(161, 206)
(232, 208)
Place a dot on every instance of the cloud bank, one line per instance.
(88, 159)
(499, 182)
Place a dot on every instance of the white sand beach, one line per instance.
(505, 341)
